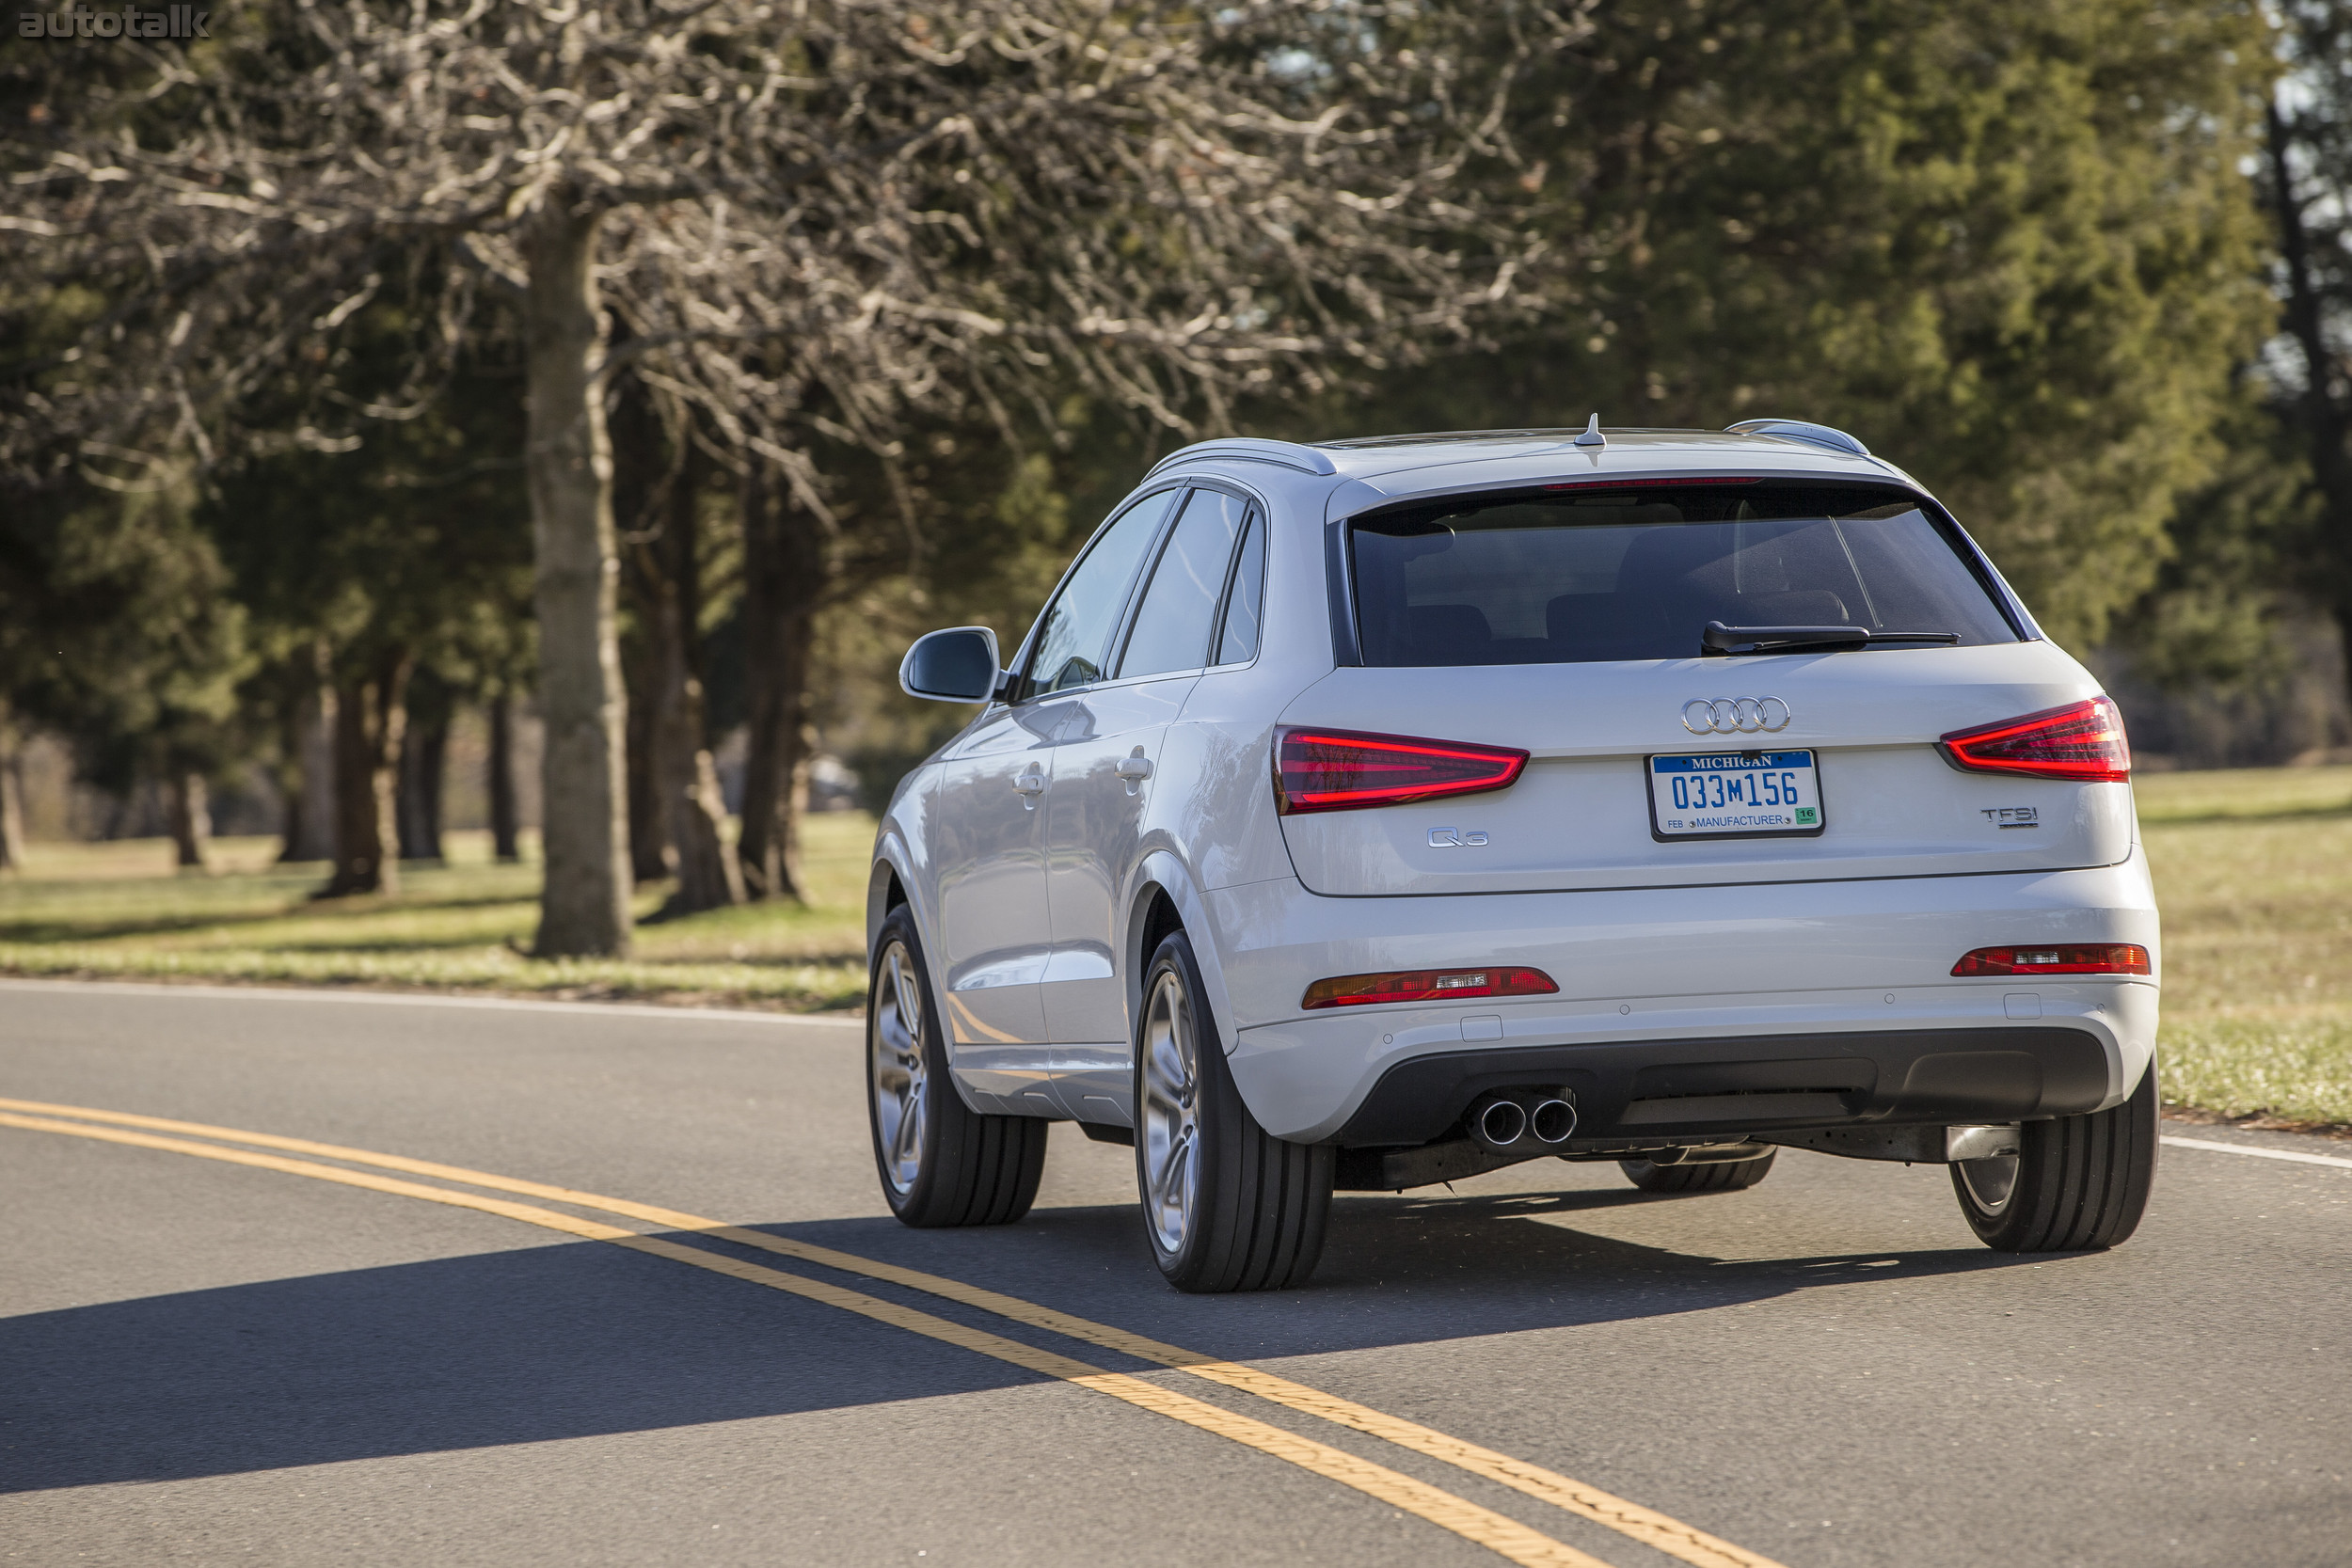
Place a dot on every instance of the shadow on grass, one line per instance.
(61, 930)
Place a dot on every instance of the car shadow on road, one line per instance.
(583, 1340)
(1394, 1272)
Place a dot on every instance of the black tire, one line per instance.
(1254, 1216)
(953, 1165)
(2076, 1184)
(1724, 1176)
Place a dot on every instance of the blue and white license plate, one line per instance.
(1735, 795)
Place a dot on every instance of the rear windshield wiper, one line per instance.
(1720, 638)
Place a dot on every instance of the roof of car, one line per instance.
(1784, 443)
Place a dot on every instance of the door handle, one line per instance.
(1029, 784)
(1135, 768)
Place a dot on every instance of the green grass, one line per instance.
(118, 911)
(2253, 870)
(2253, 867)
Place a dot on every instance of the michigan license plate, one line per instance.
(1735, 795)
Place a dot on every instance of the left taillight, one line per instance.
(2082, 741)
(1317, 769)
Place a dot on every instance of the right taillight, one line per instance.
(1318, 769)
(2082, 741)
(2097, 958)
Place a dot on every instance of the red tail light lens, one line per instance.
(2105, 957)
(2083, 741)
(1426, 985)
(1345, 769)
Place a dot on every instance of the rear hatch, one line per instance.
(1569, 625)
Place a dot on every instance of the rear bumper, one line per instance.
(1674, 1090)
(1653, 980)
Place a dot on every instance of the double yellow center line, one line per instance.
(1498, 1533)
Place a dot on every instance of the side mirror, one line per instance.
(958, 665)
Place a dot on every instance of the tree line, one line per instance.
(663, 362)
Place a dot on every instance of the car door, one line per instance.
(992, 802)
(995, 931)
(1104, 762)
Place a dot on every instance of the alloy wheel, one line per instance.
(1171, 1119)
(896, 1060)
(1990, 1182)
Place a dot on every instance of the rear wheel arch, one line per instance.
(1165, 899)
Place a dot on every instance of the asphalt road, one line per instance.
(207, 1362)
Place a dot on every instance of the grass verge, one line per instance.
(2253, 870)
(117, 911)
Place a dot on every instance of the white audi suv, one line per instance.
(1376, 812)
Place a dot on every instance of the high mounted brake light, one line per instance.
(2082, 741)
(2100, 958)
(1346, 769)
(1426, 985)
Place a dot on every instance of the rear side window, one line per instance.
(1073, 635)
(1238, 642)
(1567, 579)
(1173, 625)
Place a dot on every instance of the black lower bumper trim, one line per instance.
(1653, 1088)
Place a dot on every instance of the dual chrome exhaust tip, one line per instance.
(1517, 1121)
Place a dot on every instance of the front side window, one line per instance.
(1638, 573)
(1174, 622)
(1073, 635)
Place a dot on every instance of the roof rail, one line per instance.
(1799, 430)
(1251, 449)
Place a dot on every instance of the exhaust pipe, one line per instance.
(1498, 1122)
(1552, 1120)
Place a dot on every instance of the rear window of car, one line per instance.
(1585, 575)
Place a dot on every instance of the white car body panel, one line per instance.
(1033, 920)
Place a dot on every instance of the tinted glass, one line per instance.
(1172, 623)
(1638, 574)
(1238, 642)
(1076, 631)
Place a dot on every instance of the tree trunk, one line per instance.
(784, 567)
(370, 716)
(2325, 419)
(583, 904)
(650, 858)
(307, 770)
(422, 755)
(191, 819)
(506, 819)
(637, 481)
(12, 797)
(684, 778)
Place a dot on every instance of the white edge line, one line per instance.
(2257, 1153)
(404, 999)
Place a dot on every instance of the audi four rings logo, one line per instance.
(1735, 715)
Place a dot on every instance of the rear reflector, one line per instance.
(2105, 958)
(1426, 985)
(2082, 741)
(1345, 769)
